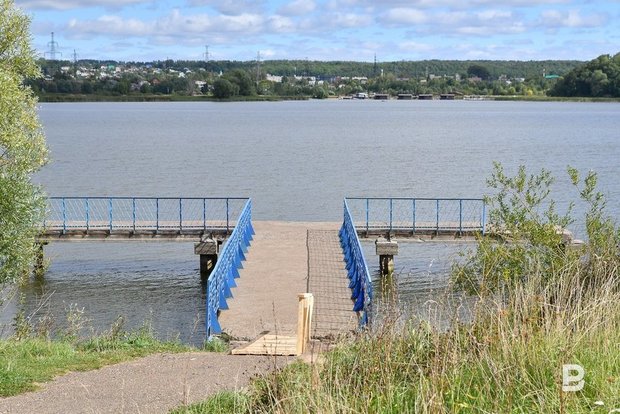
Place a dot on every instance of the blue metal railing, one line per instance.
(390, 214)
(357, 269)
(142, 213)
(222, 278)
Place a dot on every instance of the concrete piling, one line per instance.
(386, 249)
(39, 263)
(208, 249)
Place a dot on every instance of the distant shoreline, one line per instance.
(56, 98)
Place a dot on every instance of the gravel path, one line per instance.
(154, 384)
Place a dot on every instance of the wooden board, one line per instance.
(270, 344)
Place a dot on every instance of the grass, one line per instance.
(223, 402)
(509, 359)
(29, 361)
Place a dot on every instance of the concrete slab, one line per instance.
(275, 272)
(328, 282)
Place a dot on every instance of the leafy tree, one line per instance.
(319, 92)
(22, 145)
(223, 88)
(525, 223)
(480, 71)
(527, 237)
(242, 79)
(598, 78)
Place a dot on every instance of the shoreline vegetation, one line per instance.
(27, 361)
(63, 98)
(90, 80)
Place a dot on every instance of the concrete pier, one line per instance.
(386, 250)
(208, 248)
(39, 264)
(276, 271)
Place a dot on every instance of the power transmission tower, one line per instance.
(206, 57)
(53, 49)
(74, 62)
(375, 67)
(257, 67)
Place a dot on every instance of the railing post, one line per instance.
(227, 216)
(437, 221)
(413, 213)
(484, 217)
(180, 215)
(461, 216)
(110, 211)
(367, 213)
(391, 213)
(87, 215)
(64, 216)
(156, 215)
(204, 213)
(133, 212)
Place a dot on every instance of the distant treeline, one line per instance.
(331, 69)
(598, 78)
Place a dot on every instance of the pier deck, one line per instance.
(276, 270)
(328, 282)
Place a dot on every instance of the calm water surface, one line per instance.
(297, 160)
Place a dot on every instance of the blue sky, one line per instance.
(327, 29)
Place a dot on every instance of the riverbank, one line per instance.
(163, 98)
(50, 98)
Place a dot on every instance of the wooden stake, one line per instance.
(304, 320)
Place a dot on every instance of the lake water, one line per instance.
(297, 160)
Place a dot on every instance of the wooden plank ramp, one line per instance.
(270, 344)
(285, 345)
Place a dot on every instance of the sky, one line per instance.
(355, 30)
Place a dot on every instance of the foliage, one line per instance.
(221, 403)
(598, 78)
(479, 70)
(100, 78)
(242, 80)
(530, 236)
(223, 88)
(22, 146)
(216, 345)
(527, 230)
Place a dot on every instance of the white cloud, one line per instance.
(406, 16)
(349, 20)
(74, 4)
(281, 24)
(112, 25)
(267, 53)
(297, 8)
(231, 7)
(173, 25)
(571, 18)
(416, 47)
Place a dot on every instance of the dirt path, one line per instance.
(154, 384)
